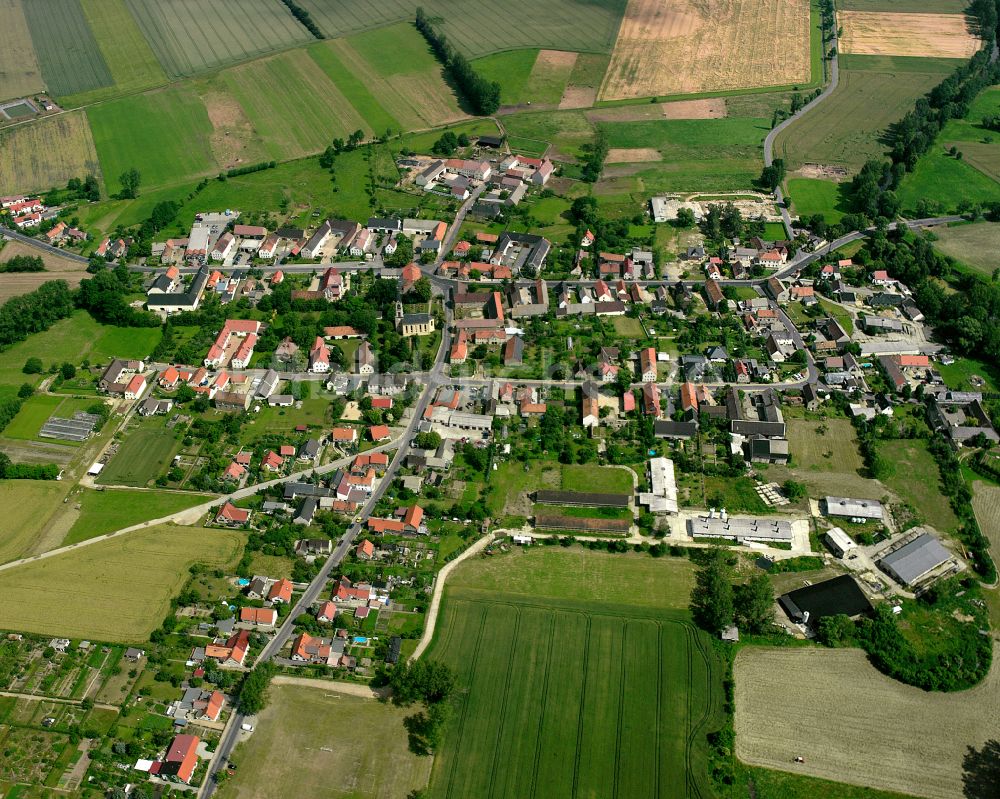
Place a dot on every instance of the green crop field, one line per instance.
(873, 93)
(143, 455)
(115, 590)
(105, 511)
(192, 36)
(46, 153)
(18, 65)
(398, 67)
(354, 89)
(132, 63)
(163, 134)
(67, 51)
(975, 245)
(572, 697)
(295, 109)
(28, 504)
(916, 479)
(562, 24)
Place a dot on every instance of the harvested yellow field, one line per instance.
(708, 108)
(632, 155)
(888, 33)
(114, 590)
(19, 72)
(688, 46)
(57, 267)
(852, 724)
(46, 152)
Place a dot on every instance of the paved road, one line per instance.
(41, 245)
(772, 135)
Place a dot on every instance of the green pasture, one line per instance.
(109, 510)
(144, 454)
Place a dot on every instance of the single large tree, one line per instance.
(130, 180)
(754, 602)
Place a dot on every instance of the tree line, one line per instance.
(34, 312)
(23, 263)
(483, 94)
(304, 17)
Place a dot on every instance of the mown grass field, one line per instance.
(945, 180)
(67, 51)
(132, 64)
(986, 501)
(163, 134)
(193, 36)
(511, 69)
(814, 196)
(18, 65)
(109, 510)
(835, 449)
(568, 697)
(563, 24)
(974, 246)
(873, 93)
(28, 505)
(47, 153)
(115, 590)
(600, 479)
(360, 740)
(916, 479)
(144, 455)
(377, 117)
(851, 723)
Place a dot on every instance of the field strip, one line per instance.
(621, 707)
(435, 606)
(506, 698)
(337, 686)
(583, 701)
(465, 705)
(542, 703)
(890, 33)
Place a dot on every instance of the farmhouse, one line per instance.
(175, 302)
(181, 758)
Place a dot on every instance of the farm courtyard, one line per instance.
(850, 723)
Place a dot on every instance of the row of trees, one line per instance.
(23, 263)
(26, 471)
(594, 155)
(304, 17)
(34, 312)
(482, 94)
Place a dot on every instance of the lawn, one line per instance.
(164, 134)
(361, 741)
(144, 455)
(106, 511)
(575, 696)
(67, 51)
(28, 506)
(602, 479)
(121, 588)
(512, 482)
(874, 92)
(46, 153)
(629, 327)
(829, 445)
(811, 196)
(313, 413)
(198, 35)
(958, 375)
(916, 479)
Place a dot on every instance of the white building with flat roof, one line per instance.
(662, 498)
(741, 528)
(850, 508)
(840, 542)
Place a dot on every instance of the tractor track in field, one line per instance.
(465, 704)
(621, 714)
(542, 704)
(506, 697)
(583, 699)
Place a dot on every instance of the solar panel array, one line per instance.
(78, 428)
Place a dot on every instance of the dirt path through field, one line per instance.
(432, 613)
